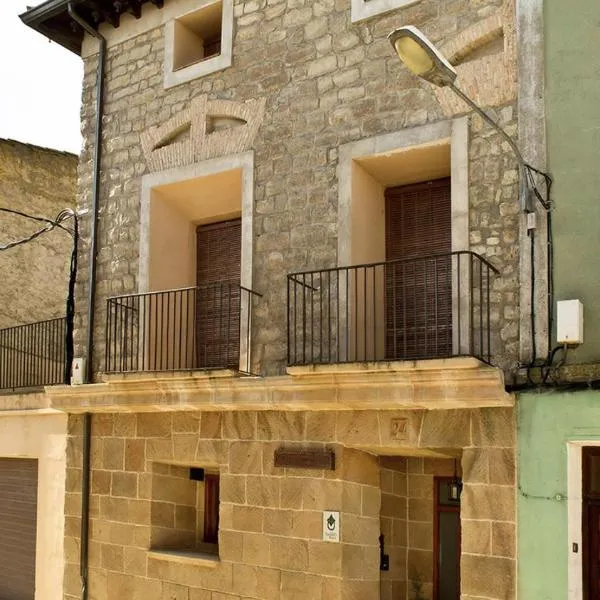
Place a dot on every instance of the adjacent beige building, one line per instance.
(307, 302)
(40, 182)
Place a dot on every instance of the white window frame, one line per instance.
(173, 77)
(364, 9)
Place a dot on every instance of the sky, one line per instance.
(40, 84)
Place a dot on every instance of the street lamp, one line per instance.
(425, 60)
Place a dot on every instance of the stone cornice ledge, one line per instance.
(454, 383)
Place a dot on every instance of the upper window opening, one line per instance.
(197, 36)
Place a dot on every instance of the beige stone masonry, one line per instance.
(444, 384)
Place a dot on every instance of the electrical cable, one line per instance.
(62, 217)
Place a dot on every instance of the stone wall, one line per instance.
(34, 276)
(270, 540)
(326, 82)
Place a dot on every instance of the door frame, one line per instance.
(575, 515)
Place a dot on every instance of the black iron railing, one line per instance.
(32, 355)
(206, 327)
(432, 307)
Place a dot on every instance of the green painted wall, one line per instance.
(572, 43)
(545, 423)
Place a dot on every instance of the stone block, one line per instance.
(263, 490)
(476, 536)
(291, 492)
(503, 539)
(360, 467)
(245, 457)
(135, 455)
(420, 535)
(247, 518)
(113, 453)
(491, 502)
(358, 428)
(186, 422)
(445, 429)
(124, 484)
(239, 425)
(154, 425)
(475, 465)
(487, 576)
(211, 425)
(233, 488)
(256, 549)
(494, 427)
(299, 586)
(289, 553)
(320, 426)
(502, 466)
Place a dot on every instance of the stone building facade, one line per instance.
(305, 122)
(41, 182)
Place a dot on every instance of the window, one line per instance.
(185, 509)
(198, 43)
(363, 9)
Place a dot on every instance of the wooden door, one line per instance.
(418, 290)
(446, 543)
(218, 295)
(591, 523)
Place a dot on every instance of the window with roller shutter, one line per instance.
(418, 290)
(18, 526)
(218, 294)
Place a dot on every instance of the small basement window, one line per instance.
(199, 42)
(184, 510)
(197, 36)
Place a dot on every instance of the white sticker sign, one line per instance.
(331, 526)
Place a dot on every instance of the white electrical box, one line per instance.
(569, 322)
(78, 371)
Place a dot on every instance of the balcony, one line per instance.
(32, 355)
(195, 328)
(417, 309)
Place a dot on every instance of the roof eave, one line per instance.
(37, 16)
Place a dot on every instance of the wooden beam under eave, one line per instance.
(135, 7)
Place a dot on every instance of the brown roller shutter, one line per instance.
(218, 294)
(18, 521)
(418, 292)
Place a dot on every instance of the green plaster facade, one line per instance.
(549, 420)
(572, 40)
(546, 423)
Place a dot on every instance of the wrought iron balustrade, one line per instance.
(205, 327)
(33, 355)
(431, 307)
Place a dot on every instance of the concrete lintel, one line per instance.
(410, 389)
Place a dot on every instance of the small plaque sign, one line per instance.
(299, 458)
(331, 526)
(398, 429)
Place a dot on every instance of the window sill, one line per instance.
(196, 70)
(188, 557)
(364, 9)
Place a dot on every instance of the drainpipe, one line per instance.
(87, 425)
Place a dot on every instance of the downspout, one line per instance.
(87, 424)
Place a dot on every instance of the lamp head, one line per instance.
(421, 56)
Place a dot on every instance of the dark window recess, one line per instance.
(211, 509)
(218, 295)
(212, 47)
(418, 294)
(18, 525)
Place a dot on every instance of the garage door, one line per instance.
(18, 510)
